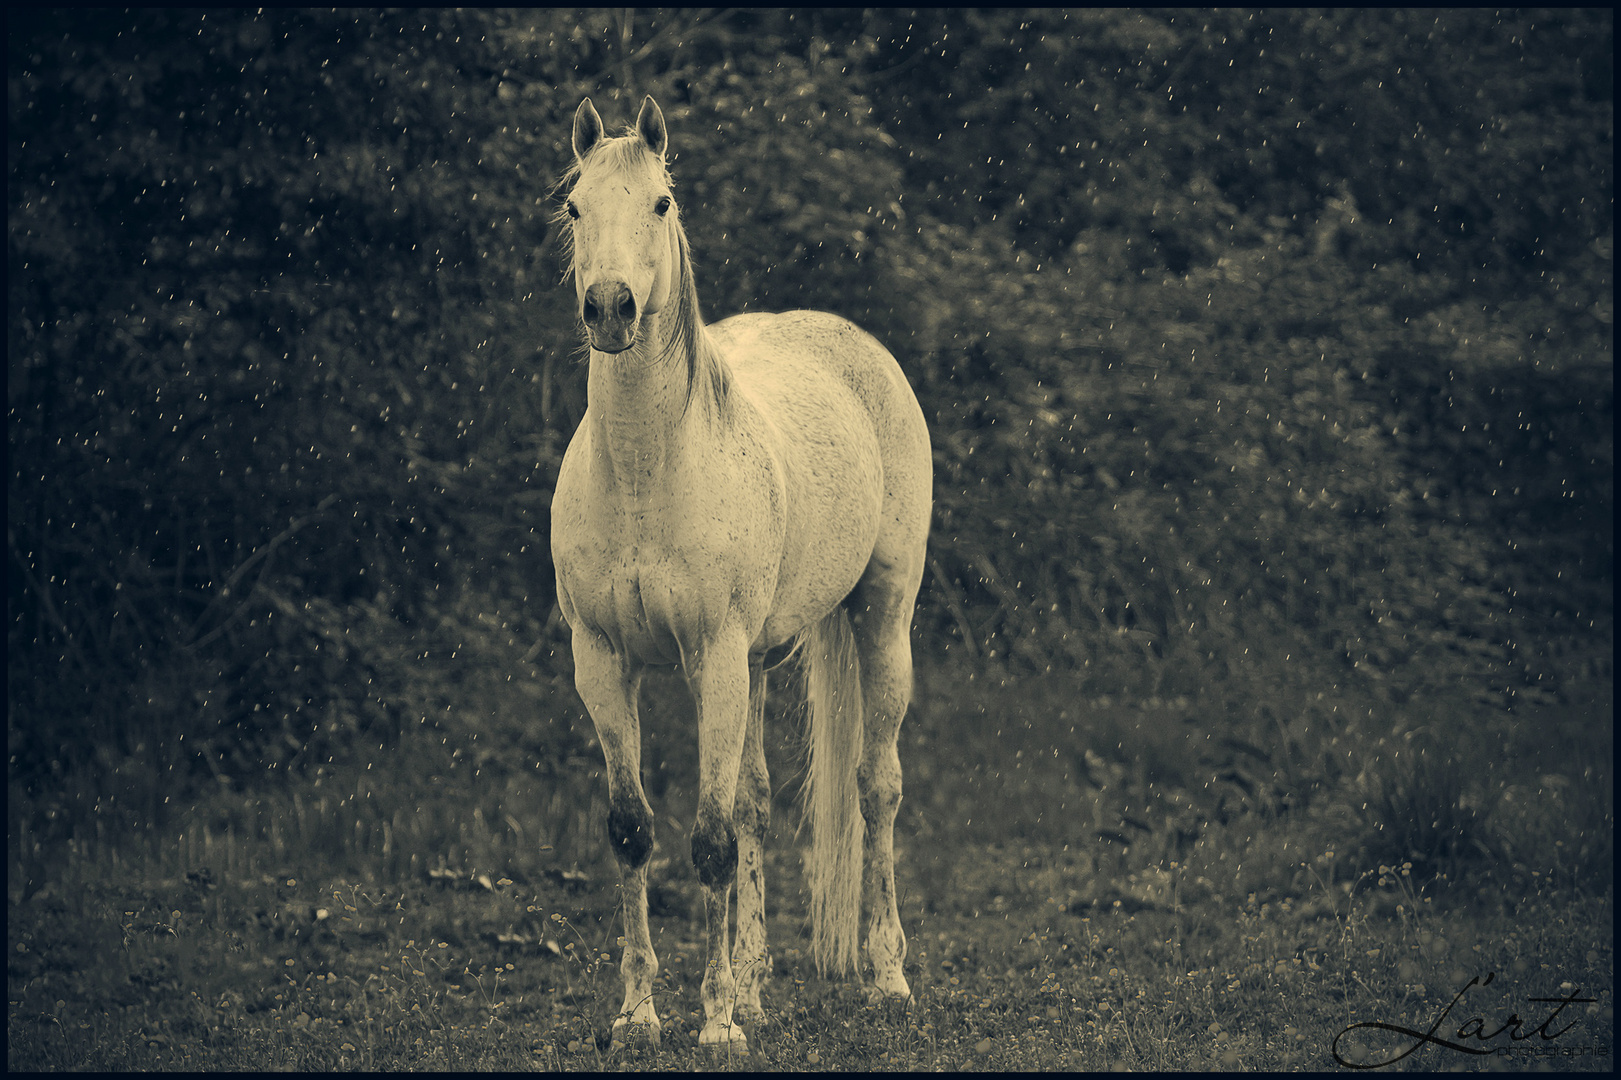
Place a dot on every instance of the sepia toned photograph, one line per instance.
(809, 539)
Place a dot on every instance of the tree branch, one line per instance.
(955, 605)
(258, 556)
(45, 601)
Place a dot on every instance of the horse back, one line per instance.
(758, 346)
(781, 360)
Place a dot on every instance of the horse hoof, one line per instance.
(630, 1032)
(727, 1037)
(901, 994)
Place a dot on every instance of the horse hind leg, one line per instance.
(882, 612)
(751, 816)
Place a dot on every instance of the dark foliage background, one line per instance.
(1266, 355)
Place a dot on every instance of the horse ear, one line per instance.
(650, 126)
(587, 129)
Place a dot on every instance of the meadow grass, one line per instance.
(1086, 884)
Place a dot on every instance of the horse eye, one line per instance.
(572, 212)
(662, 207)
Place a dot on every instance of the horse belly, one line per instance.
(833, 524)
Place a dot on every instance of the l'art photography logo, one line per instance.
(1508, 1038)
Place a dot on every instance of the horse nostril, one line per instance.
(607, 302)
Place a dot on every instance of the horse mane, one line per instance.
(703, 359)
(686, 325)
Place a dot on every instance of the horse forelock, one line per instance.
(626, 153)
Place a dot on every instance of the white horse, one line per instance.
(732, 489)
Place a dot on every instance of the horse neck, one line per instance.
(638, 399)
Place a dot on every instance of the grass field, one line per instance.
(1085, 885)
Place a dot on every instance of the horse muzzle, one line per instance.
(611, 316)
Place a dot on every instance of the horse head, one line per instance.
(627, 258)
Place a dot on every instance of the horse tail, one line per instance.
(832, 802)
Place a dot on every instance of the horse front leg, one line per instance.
(608, 686)
(752, 815)
(719, 678)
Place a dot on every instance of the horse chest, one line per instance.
(658, 580)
